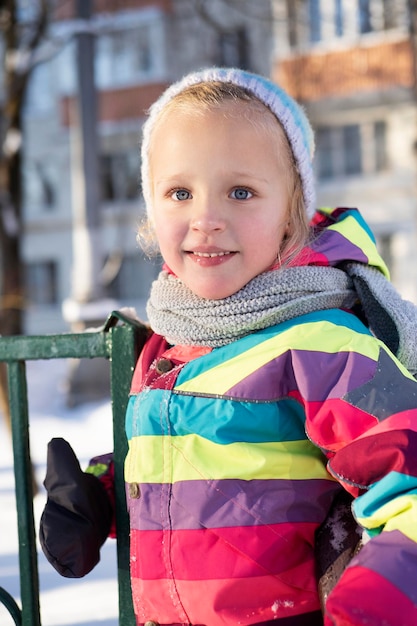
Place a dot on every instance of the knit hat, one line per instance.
(288, 112)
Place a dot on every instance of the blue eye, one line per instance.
(180, 195)
(240, 193)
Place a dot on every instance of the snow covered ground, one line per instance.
(91, 601)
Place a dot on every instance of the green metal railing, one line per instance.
(120, 340)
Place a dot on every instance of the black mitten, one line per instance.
(77, 516)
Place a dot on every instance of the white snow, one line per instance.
(90, 601)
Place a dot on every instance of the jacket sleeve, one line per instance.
(384, 572)
(363, 414)
(77, 516)
(102, 467)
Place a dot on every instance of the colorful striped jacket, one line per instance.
(236, 454)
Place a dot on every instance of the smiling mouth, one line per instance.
(210, 254)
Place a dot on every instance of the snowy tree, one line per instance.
(23, 26)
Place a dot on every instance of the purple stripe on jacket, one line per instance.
(227, 503)
(292, 370)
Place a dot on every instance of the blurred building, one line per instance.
(140, 47)
(352, 63)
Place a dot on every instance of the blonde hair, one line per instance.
(212, 96)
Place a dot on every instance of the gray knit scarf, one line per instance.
(280, 295)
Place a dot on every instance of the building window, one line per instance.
(314, 20)
(352, 150)
(390, 14)
(384, 244)
(121, 56)
(233, 49)
(380, 146)
(380, 15)
(40, 184)
(126, 56)
(46, 185)
(40, 99)
(364, 16)
(41, 282)
(341, 150)
(324, 152)
(133, 279)
(338, 18)
(119, 173)
(292, 23)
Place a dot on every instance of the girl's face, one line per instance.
(220, 198)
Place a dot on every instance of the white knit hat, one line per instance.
(289, 113)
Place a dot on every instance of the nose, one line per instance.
(208, 215)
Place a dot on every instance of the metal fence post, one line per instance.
(126, 343)
(122, 345)
(28, 563)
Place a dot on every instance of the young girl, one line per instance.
(275, 377)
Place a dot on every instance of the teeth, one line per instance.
(211, 254)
